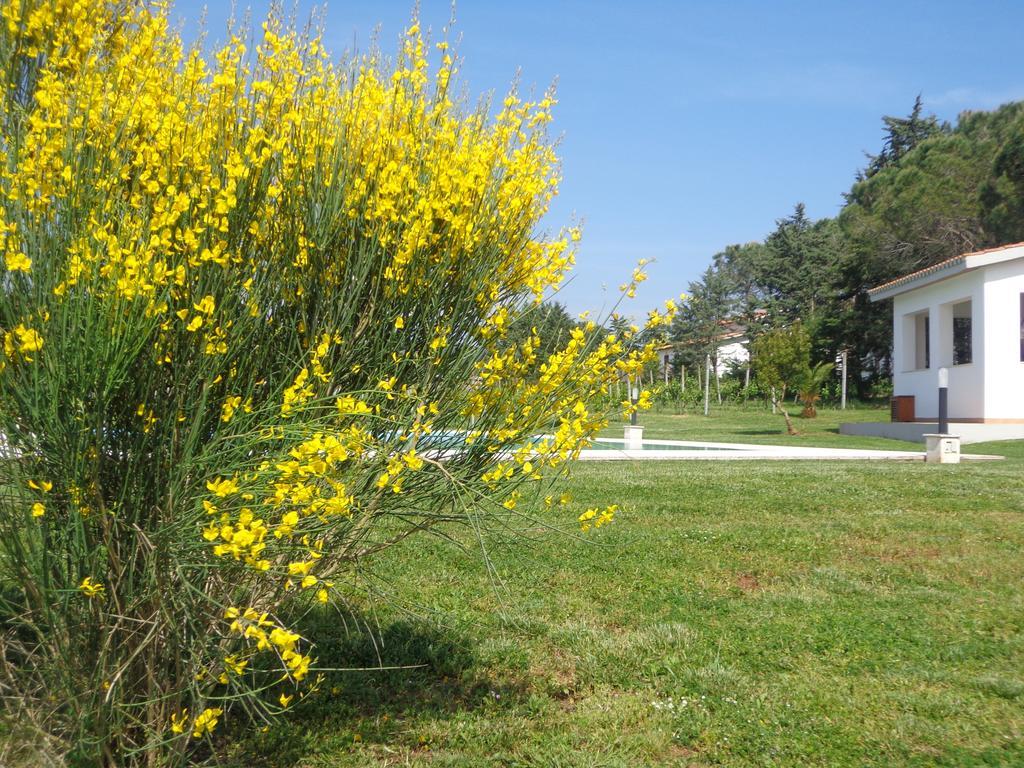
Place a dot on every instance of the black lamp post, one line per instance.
(943, 401)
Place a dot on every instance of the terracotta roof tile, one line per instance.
(940, 266)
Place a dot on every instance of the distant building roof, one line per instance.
(945, 269)
(732, 330)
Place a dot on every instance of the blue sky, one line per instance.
(687, 126)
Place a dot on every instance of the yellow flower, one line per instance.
(399, 321)
(147, 416)
(412, 461)
(194, 324)
(38, 510)
(285, 700)
(90, 588)
(222, 487)
(206, 305)
(349, 406)
(41, 485)
(206, 721)
(18, 262)
(606, 516)
(29, 339)
(227, 411)
(178, 721)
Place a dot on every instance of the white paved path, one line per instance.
(682, 450)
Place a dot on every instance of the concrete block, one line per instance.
(942, 449)
(634, 437)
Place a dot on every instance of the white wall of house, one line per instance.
(729, 353)
(991, 385)
(1004, 371)
(940, 302)
(732, 353)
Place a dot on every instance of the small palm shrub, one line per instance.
(811, 382)
(254, 313)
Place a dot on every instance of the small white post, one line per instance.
(843, 406)
(634, 437)
(634, 433)
(707, 384)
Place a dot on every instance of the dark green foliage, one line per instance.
(902, 135)
(701, 321)
(552, 323)
(799, 277)
(743, 267)
(1002, 196)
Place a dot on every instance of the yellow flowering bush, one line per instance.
(253, 331)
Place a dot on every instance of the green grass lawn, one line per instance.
(735, 614)
(754, 423)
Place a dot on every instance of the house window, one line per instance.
(916, 341)
(962, 331)
(922, 341)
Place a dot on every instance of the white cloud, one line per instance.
(974, 98)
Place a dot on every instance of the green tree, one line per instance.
(782, 358)
(800, 278)
(702, 318)
(549, 321)
(742, 267)
(1002, 195)
(902, 135)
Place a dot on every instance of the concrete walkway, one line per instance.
(681, 450)
(914, 431)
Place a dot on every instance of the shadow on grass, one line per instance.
(439, 677)
(781, 433)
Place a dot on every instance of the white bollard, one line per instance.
(634, 437)
(942, 449)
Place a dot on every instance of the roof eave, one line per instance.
(888, 291)
(946, 269)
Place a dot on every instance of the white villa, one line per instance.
(965, 314)
(731, 343)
